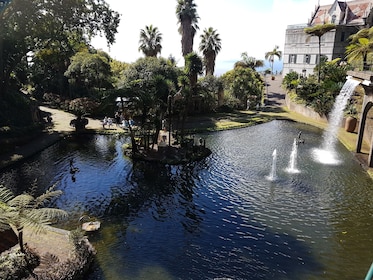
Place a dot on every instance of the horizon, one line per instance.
(230, 18)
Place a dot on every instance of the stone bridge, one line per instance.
(365, 131)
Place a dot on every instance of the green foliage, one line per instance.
(270, 56)
(150, 41)
(17, 264)
(210, 46)
(25, 210)
(186, 13)
(209, 87)
(320, 29)
(82, 106)
(244, 83)
(27, 26)
(150, 80)
(88, 71)
(291, 80)
(319, 95)
(334, 70)
(249, 61)
(15, 110)
(50, 62)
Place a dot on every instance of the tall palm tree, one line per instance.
(150, 41)
(25, 210)
(270, 56)
(210, 46)
(361, 44)
(318, 31)
(248, 62)
(187, 16)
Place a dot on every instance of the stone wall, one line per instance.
(303, 110)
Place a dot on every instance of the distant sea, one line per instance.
(277, 67)
(223, 67)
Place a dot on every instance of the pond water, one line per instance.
(220, 217)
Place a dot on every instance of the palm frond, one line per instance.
(22, 201)
(5, 194)
(47, 196)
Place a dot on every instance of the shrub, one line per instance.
(17, 265)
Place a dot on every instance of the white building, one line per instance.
(301, 52)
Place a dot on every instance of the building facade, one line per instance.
(301, 51)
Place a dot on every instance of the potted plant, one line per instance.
(351, 120)
(80, 107)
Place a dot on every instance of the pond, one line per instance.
(220, 217)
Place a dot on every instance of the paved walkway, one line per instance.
(60, 126)
(275, 93)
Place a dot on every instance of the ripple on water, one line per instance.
(219, 217)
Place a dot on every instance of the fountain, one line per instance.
(292, 168)
(273, 176)
(326, 154)
(215, 218)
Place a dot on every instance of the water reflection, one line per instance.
(218, 217)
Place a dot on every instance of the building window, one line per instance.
(334, 17)
(343, 36)
(293, 58)
(307, 58)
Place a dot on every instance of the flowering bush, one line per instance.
(83, 105)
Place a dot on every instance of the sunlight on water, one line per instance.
(325, 157)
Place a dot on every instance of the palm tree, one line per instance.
(318, 31)
(150, 41)
(270, 56)
(249, 62)
(25, 210)
(360, 46)
(210, 46)
(193, 68)
(188, 18)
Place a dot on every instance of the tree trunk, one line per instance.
(187, 37)
(20, 239)
(319, 66)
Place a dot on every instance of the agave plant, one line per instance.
(25, 210)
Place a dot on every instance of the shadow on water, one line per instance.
(189, 242)
(215, 218)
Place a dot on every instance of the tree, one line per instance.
(50, 60)
(187, 16)
(210, 46)
(270, 56)
(28, 24)
(318, 31)
(193, 68)
(24, 210)
(211, 88)
(150, 41)
(361, 44)
(89, 70)
(244, 84)
(248, 62)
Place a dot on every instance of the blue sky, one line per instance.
(252, 26)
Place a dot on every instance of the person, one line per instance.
(117, 118)
(109, 122)
(104, 122)
(248, 104)
(164, 124)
